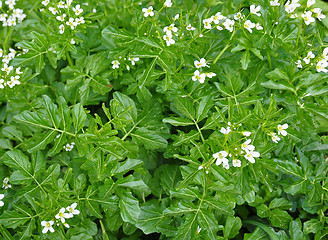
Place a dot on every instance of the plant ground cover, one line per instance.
(162, 119)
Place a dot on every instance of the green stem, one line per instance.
(225, 48)
(269, 60)
(69, 59)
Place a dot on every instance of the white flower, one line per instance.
(228, 24)
(198, 229)
(201, 63)
(299, 63)
(61, 4)
(236, 163)
(77, 9)
(250, 155)
(168, 3)
(7, 68)
(148, 11)
(238, 16)
(249, 25)
(207, 23)
(200, 167)
(116, 64)
(1, 202)
(62, 215)
(274, 137)
(3, 17)
(61, 18)
(61, 29)
(69, 147)
(47, 226)
(246, 133)
(307, 16)
(79, 20)
(45, 2)
(258, 26)
(199, 76)
(310, 3)
(274, 3)
(13, 81)
(190, 28)
(176, 17)
(281, 129)
(68, 3)
(169, 40)
(225, 130)
(221, 157)
(53, 10)
(247, 146)
(72, 41)
(291, 6)
(217, 17)
(210, 74)
(321, 66)
(72, 211)
(133, 60)
(168, 30)
(318, 14)
(2, 86)
(10, 3)
(71, 23)
(308, 57)
(255, 10)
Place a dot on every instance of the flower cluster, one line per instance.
(321, 61)
(69, 147)
(116, 63)
(61, 217)
(12, 15)
(9, 76)
(66, 14)
(307, 15)
(200, 76)
(168, 37)
(5, 183)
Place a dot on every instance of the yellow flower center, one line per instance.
(48, 225)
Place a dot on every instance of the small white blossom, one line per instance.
(71, 23)
(228, 24)
(207, 23)
(210, 74)
(199, 76)
(318, 14)
(79, 20)
(69, 147)
(217, 17)
(53, 10)
(47, 226)
(168, 3)
(236, 163)
(321, 66)
(201, 63)
(72, 41)
(169, 40)
(45, 2)
(251, 155)
(247, 146)
(258, 26)
(68, 3)
(221, 158)
(255, 10)
(176, 17)
(72, 211)
(190, 28)
(308, 57)
(281, 129)
(133, 60)
(61, 18)
(61, 29)
(1, 202)
(62, 215)
(246, 133)
(198, 229)
(2, 84)
(225, 130)
(77, 9)
(148, 11)
(274, 3)
(249, 25)
(299, 64)
(274, 137)
(307, 16)
(116, 64)
(168, 30)
(61, 4)
(238, 16)
(6, 68)
(291, 6)
(310, 3)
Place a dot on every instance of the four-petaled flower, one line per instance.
(116, 64)
(72, 211)
(221, 158)
(228, 24)
(77, 9)
(308, 57)
(250, 156)
(274, 137)
(236, 163)
(190, 28)
(201, 63)
(199, 76)
(249, 25)
(255, 10)
(169, 40)
(148, 11)
(281, 129)
(168, 3)
(247, 146)
(47, 226)
(307, 16)
(62, 215)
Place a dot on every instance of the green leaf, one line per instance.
(13, 219)
(149, 139)
(17, 160)
(245, 60)
(280, 203)
(150, 217)
(129, 207)
(280, 218)
(277, 74)
(79, 116)
(232, 226)
(178, 121)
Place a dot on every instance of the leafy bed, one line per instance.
(116, 124)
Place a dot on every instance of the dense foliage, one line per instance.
(163, 119)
